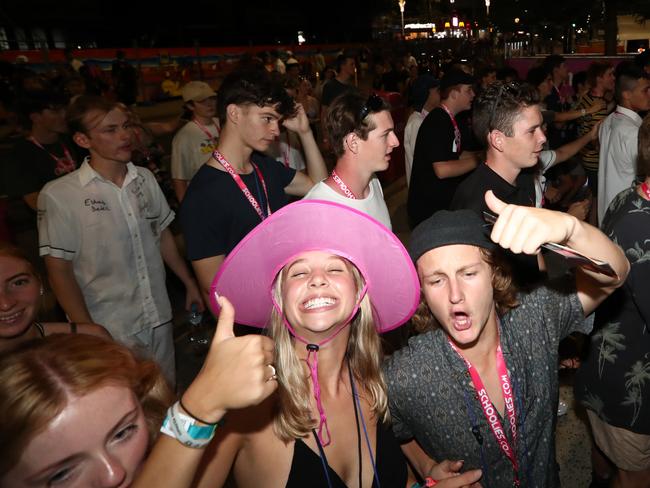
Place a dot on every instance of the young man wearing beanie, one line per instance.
(194, 142)
(363, 137)
(480, 384)
(439, 163)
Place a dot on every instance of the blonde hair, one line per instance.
(38, 379)
(364, 353)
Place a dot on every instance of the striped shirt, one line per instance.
(589, 153)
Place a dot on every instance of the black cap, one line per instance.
(420, 89)
(456, 77)
(445, 228)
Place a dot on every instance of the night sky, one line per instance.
(216, 22)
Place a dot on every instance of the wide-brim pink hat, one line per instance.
(247, 274)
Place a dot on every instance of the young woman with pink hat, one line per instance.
(323, 280)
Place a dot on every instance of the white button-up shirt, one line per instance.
(112, 237)
(618, 135)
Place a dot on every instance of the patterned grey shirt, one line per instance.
(432, 398)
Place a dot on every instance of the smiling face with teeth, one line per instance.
(457, 285)
(319, 293)
(19, 296)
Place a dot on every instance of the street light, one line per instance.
(487, 7)
(401, 9)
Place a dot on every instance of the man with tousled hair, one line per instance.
(362, 135)
(482, 386)
(507, 119)
(103, 231)
(238, 186)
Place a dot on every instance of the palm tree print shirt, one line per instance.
(614, 381)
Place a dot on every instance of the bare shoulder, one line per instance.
(243, 440)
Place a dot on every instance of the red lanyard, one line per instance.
(490, 412)
(645, 190)
(206, 131)
(64, 164)
(344, 188)
(456, 129)
(242, 186)
(286, 154)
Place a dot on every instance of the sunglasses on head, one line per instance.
(373, 104)
(510, 87)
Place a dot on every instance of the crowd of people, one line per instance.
(285, 236)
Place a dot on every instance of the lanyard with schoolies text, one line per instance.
(242, 186)
(490, 412)
(341, 184)
(457, 139)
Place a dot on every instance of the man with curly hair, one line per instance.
(482, 384)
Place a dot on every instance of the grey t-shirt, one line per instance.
(432, 398)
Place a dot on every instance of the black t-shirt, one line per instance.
(215, 215)
(561, 133)
(333, 89)
(465, 124)
(434, 143)
(471, 194)
(27, 169)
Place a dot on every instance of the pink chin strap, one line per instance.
(312, 362)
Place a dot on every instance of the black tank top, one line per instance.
(307, 467)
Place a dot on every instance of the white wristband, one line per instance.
(185, 430)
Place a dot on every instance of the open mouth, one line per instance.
(461, 321)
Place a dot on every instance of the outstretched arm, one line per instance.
(568, 150)
(525, 229)
(456, 167)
